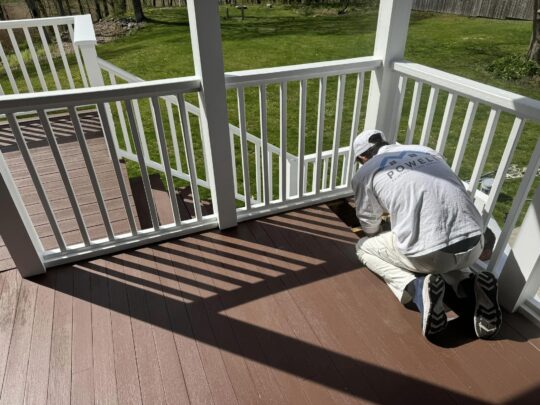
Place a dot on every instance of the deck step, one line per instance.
(345, 212)
(163, 202)
(184, 194)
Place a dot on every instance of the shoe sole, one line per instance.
(487, 313)
(434, 316)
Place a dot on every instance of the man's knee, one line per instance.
(361, 248)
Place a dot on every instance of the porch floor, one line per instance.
(277, 310)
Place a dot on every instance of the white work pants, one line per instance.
(380, 255)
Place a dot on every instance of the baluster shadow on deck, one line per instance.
(44, 161)
(276, 310)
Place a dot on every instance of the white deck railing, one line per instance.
(273, 168)
(518, 108)
(292, 168)
(114, 74)
(77, 100)
(329, 169)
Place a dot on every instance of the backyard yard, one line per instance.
(280, 36)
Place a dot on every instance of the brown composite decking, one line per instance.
(277, 310)
(53, 185)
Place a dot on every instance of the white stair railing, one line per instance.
(330, 170)
(115, 75)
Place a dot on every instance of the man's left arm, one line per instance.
(368, 209)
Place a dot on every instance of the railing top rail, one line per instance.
(36, 22)
(522, 106)
(85, 96)
(303, 71)
(84, 30)
(108, 66)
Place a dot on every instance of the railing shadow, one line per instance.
(190, 286)
(35, 137)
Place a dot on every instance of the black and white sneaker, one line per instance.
(487, 313)
(433, 313)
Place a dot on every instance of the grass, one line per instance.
(283, 36)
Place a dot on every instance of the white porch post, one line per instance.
(85, 40)
(16, 227)
(520, 277)
(392, 28)
(205, 31)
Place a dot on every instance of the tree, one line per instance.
(534, 47)
(138, 10)
(121, 6)
(34, 9)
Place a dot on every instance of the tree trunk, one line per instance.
(42, 10)
(343, 5)
(60, 7)
(138, 10)
(81, 9)
(99, 15)
(33, 7)
(67, 8)
(122, 7)
(105, 9)
(534, 47)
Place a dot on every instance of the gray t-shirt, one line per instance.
(428, 205)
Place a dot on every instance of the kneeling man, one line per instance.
(436, 231)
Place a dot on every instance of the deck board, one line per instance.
(276, 310)
(60, 367)
(8, 308)
(125, 361)
(40, 350)
(82, 379)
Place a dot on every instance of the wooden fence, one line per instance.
(501, 9)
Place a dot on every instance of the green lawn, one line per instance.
(281, 36)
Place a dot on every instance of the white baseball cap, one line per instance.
(364, 141)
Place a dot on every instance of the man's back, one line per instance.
(427, 202)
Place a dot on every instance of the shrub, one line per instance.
(514, 67)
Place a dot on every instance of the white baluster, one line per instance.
(35, 59)
(22, 65)
(337, 130)
(49, 58)
(464, 135)
(301, 136)
(446, 121)
(430, 112)
(283, 141)
(354, 126)
(413, 115)
(321, 113)
(264, 140)
(484, 150)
